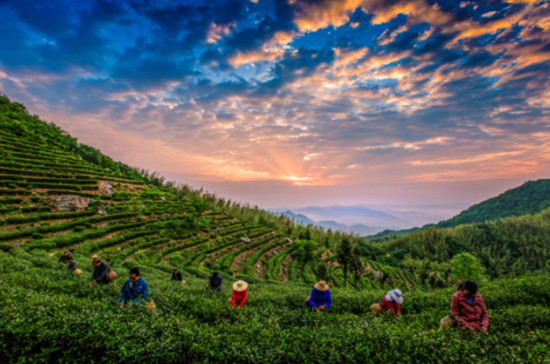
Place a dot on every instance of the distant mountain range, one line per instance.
(364, 220)
(531, 197)
(333, 225)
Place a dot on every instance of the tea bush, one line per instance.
(49, 315)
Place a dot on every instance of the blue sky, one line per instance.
(294, 103)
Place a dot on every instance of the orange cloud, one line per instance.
(489, 171)
(217, 32)
(311, 17)
(417, 10)
(270, 51)
(473, 159)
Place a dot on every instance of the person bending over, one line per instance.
(320, 298)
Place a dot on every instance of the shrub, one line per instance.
(465, 266)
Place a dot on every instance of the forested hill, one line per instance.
(529, 198)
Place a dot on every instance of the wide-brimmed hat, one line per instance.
(321, 286)
(240, 286)
(394, 295)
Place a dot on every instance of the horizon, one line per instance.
(293, 104)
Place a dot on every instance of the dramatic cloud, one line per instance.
(322, 101)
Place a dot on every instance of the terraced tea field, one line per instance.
(125, 219)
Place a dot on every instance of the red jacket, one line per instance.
(473, 315)
(390, 305)
(238, 297)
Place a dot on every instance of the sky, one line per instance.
(296, 103)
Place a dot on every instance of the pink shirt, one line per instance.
(473, 314)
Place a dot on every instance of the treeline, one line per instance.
(511, 246)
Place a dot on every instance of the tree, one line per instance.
(356, 267)
(322, 272)
(199, 204)
(345, 256)
(304, 251)
(465, 266)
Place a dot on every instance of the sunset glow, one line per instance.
(294, 103)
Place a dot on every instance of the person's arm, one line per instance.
(219, 283)
(94, 276)
(244, 295)
(391, 306)
(233, 299)
(144, 290)
(123, 294)
(312, 302)
(455, 310)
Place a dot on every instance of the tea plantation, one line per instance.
(57, 195)
(49, 314)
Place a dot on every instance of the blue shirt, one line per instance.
(319, 298)
(139, 291)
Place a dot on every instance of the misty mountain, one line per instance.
(333, 225)
(342, 218)
(298, 218)
(356, 213)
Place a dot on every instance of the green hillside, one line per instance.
(57, 194)
(529, 198)
(142, 218)
(513, 246)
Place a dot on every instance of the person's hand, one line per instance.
(397, 316)
(483, 329)
(317, 309)
(121, 305)
(322, 307)
(91, 283)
